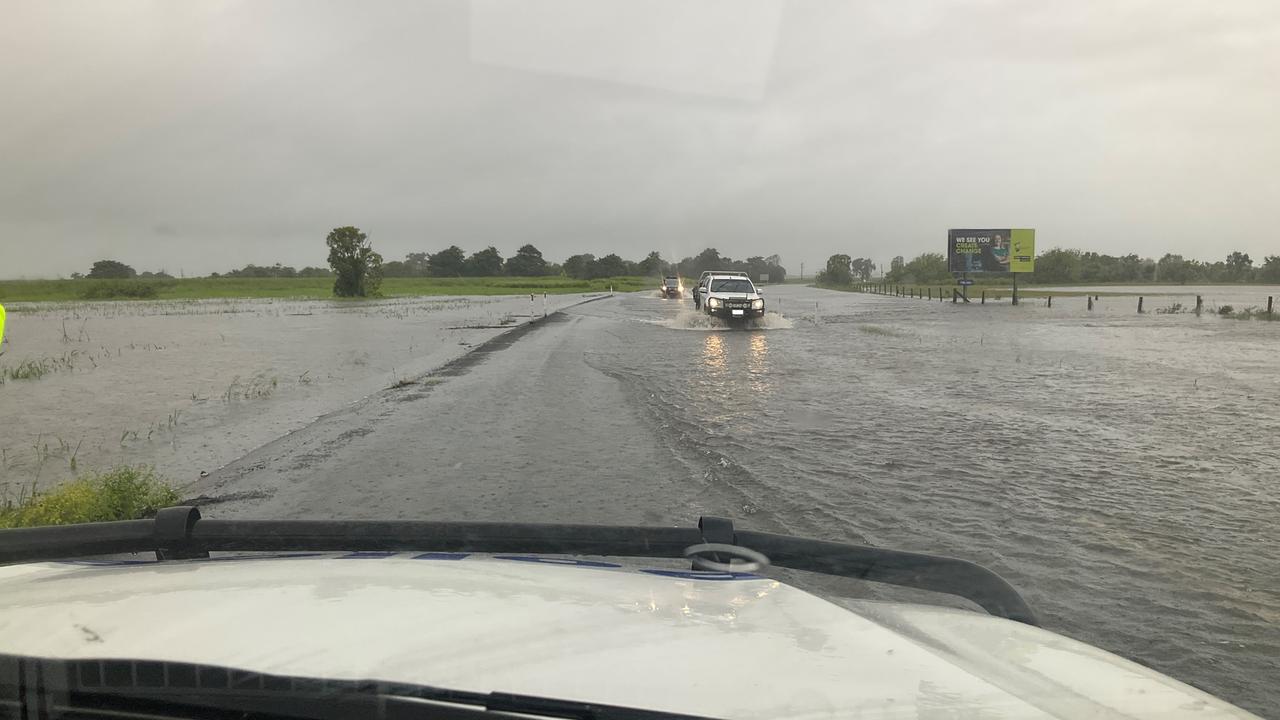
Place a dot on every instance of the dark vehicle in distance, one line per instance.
(672, 288)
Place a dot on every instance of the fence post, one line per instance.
(1090, 298)
(984, 297)
(1199, 304)
(1050, 301)
(1270, 300)
(1139, 304)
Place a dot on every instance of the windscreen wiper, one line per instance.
(179, 532)
(53, 688)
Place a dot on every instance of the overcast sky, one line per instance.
(201, 136)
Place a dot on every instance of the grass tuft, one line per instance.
(34, 369)
(122, 493)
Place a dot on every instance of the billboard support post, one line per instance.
(1015, 288)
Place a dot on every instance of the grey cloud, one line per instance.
(207, 135)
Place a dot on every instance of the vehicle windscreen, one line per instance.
(394, 261)
(732, 285)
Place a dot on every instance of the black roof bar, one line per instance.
(179, 532)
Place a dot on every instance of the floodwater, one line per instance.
(191, 385)
(1214, 296)
(1119, 469)
(1117, 300)
(1122, 470)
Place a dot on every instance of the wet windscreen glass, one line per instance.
(731, 286)
(995, 281)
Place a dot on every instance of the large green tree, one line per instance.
(837, 271)
(897, 270)
(862, 268)
(483, 263)
(527, 262)
(927, 268)
(447, 263)
(611, 265)
(1239, 266)
(1058, 266)
(111, 269)
(1173, 268)
(580, 267)
(653, 265)
(1270, 270)
(417, 264)
(355, 263)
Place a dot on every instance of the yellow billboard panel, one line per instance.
(1022, 255)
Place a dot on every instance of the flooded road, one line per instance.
(189, 386)
(1119, 469)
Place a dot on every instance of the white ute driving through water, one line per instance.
(360, 619)
(731, 298)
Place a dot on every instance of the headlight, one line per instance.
(757, 304)
(713, 302)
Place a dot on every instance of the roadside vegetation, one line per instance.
(1229, 312)
(122, 493)
(357, 271)
(1059, 266)
(318, 288)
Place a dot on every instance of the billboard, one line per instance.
(999, 250)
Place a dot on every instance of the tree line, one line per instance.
(529, 262)
(1065, 266)
(116, 270)
(358, 269)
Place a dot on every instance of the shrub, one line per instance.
(122, 493)
(133, 289)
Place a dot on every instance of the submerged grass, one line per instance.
(878, 330)
(36, 368)
(306, 288)
(1248, 313)
(122, 493)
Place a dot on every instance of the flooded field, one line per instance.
(191, 385)
(1214, 296)
(1119, 469)
(1116, 300)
